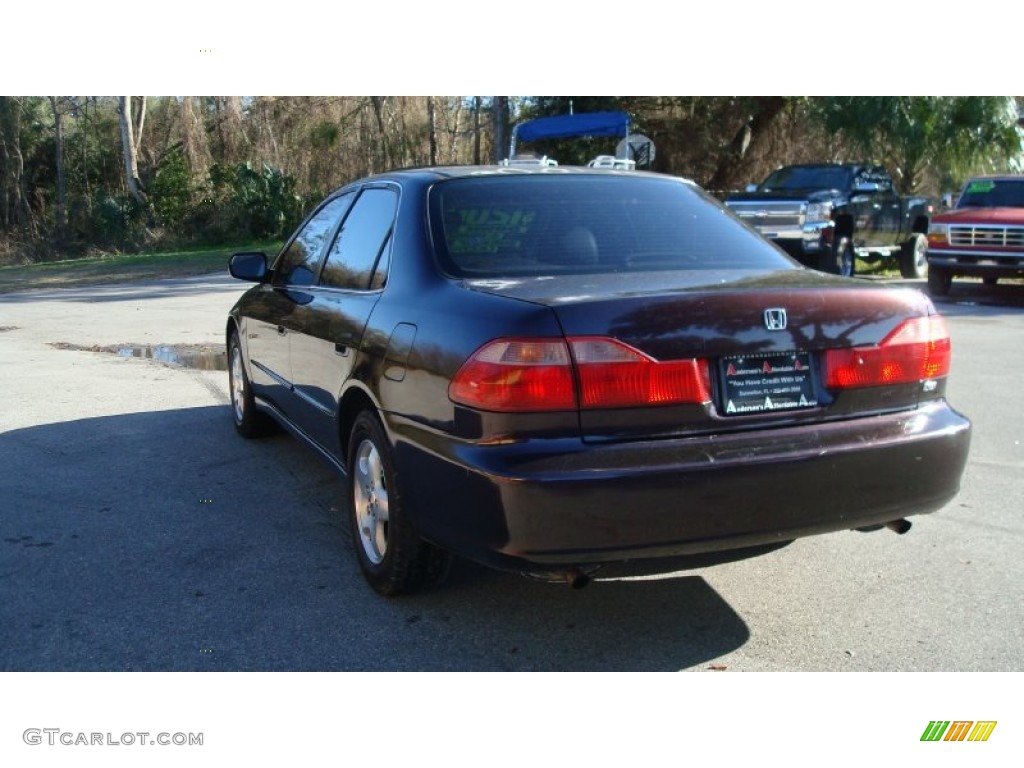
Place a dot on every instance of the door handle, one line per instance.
(341, 349)
(281, 330)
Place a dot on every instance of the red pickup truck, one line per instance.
(983, 236)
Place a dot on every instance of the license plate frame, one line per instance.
(767, 383)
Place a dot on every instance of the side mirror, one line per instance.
(751, 188)
(947, 200)
(248, 266)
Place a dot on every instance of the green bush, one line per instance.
(255, 202)
(171, 192)
(116, 221)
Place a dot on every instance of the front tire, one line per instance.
(249, 422)
(940, 280)
(393, 558)
(840, 259)
(913, 257)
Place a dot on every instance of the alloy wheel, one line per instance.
(370, 497)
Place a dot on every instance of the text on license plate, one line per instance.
(760, 383)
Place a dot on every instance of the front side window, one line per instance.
(501, 226)
(297, 265)
(359, 256)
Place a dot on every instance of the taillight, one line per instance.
(540, 375)
(516, 375)
(916, 350)
(613, 375)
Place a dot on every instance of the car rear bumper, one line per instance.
(543, 504)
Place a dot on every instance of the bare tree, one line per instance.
(130, 144)
(452, 121)
(58, 105)
(378, 103)
(499, 128)
(751, 134)
(476, 130)
(14, 207)
(432, 122)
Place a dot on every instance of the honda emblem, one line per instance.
(775, 319)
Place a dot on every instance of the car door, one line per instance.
(271, 316)
(865, 208)
(328, 330)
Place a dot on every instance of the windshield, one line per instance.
(808, 177)
(532, 225)
(993, 193)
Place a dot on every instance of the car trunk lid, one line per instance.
(764, 337)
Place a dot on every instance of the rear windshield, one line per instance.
(993, 193)
(808, 177)
(507, 225)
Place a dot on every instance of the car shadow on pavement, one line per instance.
(163, 541)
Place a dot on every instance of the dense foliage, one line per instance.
(82, 173)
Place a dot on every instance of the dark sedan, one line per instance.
(551, 369)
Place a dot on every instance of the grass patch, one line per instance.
(878, 268)
(122, 268)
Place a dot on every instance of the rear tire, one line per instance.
(940, 280)
(393, 558)
(913, 257)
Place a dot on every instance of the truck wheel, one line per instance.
(840, 260)
(913, 257)
(939, 281)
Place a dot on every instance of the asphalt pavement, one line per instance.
(139, 532)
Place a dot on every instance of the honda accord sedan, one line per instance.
(548, 370)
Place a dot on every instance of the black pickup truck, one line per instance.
(826, 215)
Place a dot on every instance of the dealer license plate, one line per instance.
(779, 381)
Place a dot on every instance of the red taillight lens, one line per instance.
(916, 350)
(525, 375)
(613, 375)
(516, 375)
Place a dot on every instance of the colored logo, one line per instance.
(958, 730)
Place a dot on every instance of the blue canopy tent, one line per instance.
(564, 126)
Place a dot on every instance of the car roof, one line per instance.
(443, 172)
(827, 165)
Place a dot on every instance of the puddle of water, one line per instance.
(203, 357)
(208, 357)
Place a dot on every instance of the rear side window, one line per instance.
(800, 177)
(505, 225)
(359, 256)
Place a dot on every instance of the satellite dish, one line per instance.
(636, 147)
